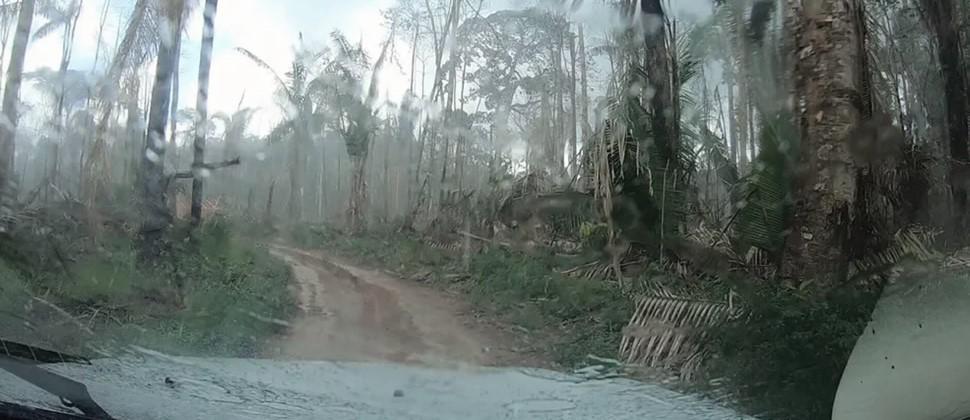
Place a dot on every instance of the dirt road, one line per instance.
(353, 314)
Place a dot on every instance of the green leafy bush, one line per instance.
(785, 360)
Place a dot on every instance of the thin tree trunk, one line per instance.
(5, 35)
(136, 134)
(268, 217)
(387, 179)
(752, 144)
(202, 107)
(573, 141)
(358, 192)
(8, 131)
(173, 155)
(584, 87)
(175, 91)
(156, 216)
(97, 48)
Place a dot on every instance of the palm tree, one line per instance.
(205, 64)
(11, 93)
(156, 216)
(828, 83)
(64, 15)
(354, 117)
(298, 88)
(59, 14)
(135, 48)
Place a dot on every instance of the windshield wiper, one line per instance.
(22, 361)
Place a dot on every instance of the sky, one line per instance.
(270, 29)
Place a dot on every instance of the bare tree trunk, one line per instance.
(5, 23)
(136, 133)
(732, 121)
(202, 107)
(387, 179)
(156, 216)
(97, 48)
(573, 143)
(942, 19)
(173, 112)
(358, 193)
(665, 126)
(268, 217)
(11, 94)
(584, 99)
(827, 84)
(175, 91)
(250, 203)
(559, 125)
(752, 144)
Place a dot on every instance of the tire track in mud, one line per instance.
(352, 314)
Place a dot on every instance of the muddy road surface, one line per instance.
(349, 313)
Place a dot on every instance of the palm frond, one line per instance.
(715, 150)
(667, 331)
(762, 201)
(914, 242)
(45, 30)
(265, 66)
(280, 132)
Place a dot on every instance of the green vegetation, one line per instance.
(215, 295)
(784, 359)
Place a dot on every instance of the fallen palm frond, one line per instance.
(913, 242)
(666, 332)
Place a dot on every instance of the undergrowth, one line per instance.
(785, 359)
(579, 316)
(215, 295)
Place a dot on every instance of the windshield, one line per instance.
(759, 206)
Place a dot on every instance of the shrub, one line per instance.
(785, 360)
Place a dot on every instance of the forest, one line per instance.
(711, 195)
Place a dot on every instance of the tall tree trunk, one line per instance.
(59, 119)
(665, 126)
(559, 132)
(387, 179)
(11, 94)
(732, 121)
(942, 18)
(156, 216)
(136, 135)
(268, 216)
(573, 143)
(202, 106)
(173, 111)
(5, 23)
(358, 191)
(827, 79)
(298, 164)
(584, 87)
(97, 48)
